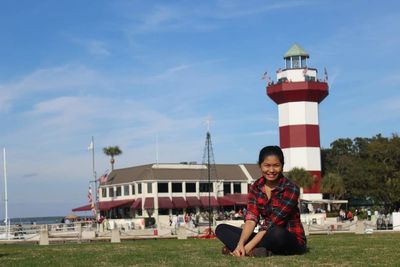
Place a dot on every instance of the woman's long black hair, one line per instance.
(271, 151)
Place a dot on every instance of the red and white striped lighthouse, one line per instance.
(298, 93)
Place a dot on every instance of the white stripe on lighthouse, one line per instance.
(308, 158)
(295, 113)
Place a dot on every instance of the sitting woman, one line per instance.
(275, 199)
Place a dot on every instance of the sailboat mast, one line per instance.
(5, 189)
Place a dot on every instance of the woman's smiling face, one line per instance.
(271, 167)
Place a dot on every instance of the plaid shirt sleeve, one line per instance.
(252, 209)
(284, 206)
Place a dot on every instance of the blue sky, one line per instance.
(128, 71)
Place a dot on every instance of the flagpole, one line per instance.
(5, 193)
(96, 197)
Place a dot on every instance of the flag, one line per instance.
(264, 76)
(326, 74)
(91, 202)
(90, 146)
(103, 178)
(90, 196)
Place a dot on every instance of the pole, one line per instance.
(5, 193)
(209, 182)
(96, 195)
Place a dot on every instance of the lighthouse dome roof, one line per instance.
(296, 50)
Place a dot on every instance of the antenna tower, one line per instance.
(208, 160)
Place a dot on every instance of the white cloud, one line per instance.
(92, 46)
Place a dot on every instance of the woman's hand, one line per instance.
(239, 251)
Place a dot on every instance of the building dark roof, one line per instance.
(181, 172)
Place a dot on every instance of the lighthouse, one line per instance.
(298, 92)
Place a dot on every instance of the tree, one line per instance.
(332, 184)
(112, 151)
(301, 177)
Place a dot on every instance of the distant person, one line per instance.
(274, 198)
(349, 216)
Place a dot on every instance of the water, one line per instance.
(35, 220)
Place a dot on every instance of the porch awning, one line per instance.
(149, 203)
(106, 205)
(205, 203)
(165, 203)
(83, 208)
(193, 202)
(224, 201)
(238, 199)
(137, 205)
(179, 203)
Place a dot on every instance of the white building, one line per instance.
(166, 189)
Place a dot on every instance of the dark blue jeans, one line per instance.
(278, 240)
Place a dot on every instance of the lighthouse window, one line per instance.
(288, 63)
(295, 62)
(303, 62)
(104, 192)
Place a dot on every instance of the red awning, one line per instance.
(179, 203)
(83, 208)
(213, 202)
(165, 203)
(238, 199)
(107, 205)
(193, 202)
(137, 205)
(149, 203)
(224, 201)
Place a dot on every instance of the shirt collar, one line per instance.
(279, 187)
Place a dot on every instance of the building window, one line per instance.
(176, 187)
(126, 190)
(163, 211)
(139, 188)
(227, 188)
(149, 188)
(104, 192)
(204, 187)
(111, 191)
(118, 193)
(162, 187)
(237, 188)
(133, 189)
(190, 187)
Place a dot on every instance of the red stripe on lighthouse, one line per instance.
(299, 136)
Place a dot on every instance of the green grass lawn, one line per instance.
(325, 250)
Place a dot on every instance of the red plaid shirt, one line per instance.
(281, 209)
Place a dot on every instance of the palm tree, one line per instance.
(332, 184)
(112, 151)
(301, 177)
